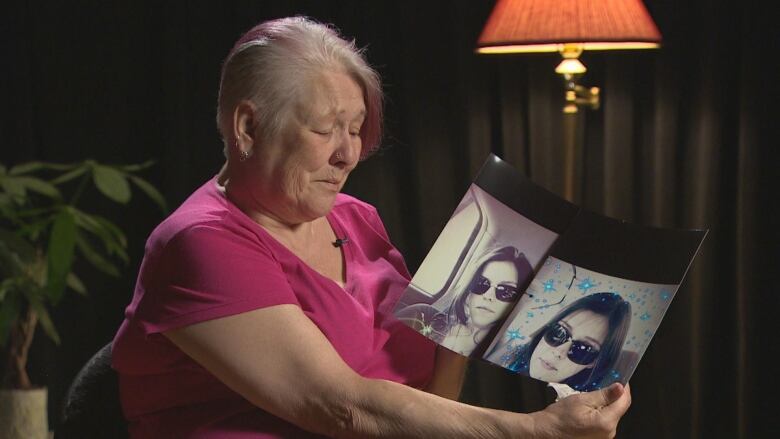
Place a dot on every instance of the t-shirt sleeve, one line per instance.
(206, 272)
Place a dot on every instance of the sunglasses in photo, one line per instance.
(580, 352)
(505, 293)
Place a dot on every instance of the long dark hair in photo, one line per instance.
(618, 313)
(457, 313)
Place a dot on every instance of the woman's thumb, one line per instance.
(610, 394)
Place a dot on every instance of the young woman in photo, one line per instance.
(579, 346)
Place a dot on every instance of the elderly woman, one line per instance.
(263, 304)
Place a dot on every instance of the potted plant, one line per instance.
(43, 229)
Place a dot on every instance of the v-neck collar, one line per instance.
(333, 222)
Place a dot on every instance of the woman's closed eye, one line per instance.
(353, 132)
(355, 127)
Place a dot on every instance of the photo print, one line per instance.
(474, 273)
(579, 327)
(528, 281)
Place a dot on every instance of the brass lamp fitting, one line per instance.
(572, 70)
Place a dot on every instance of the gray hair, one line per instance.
(271, 65)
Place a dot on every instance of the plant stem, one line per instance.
(19, 346)
(80, 188)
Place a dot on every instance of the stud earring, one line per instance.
(242, 155)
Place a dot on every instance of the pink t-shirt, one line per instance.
(209, 260)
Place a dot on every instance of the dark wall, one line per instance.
(124, 82)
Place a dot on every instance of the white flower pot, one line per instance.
(23, 414)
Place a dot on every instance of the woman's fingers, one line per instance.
(589, 415)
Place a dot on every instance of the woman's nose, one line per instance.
(347, 151)
(562, 350)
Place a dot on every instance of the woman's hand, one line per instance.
(592, 415)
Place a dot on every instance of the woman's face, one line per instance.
(296, 176)
(499, 278)
(583, 332)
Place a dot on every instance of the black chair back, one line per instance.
(91, 408)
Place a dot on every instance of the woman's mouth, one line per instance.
(548, 366)
(332, 183)
(486, 309)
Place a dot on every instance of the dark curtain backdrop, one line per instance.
(683, 139)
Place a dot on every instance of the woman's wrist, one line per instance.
(541, 424)
(520, 425)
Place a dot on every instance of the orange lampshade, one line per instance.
(544, 25)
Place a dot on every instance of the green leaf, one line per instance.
(25, 168)
(95, 258)
(34, 229)
(5, 288)
(62, 243)
(13, 187)
(70, 175)
(150, 191)
(111, 183)
(38, 211)
(76, 284)
(137, 167)
(17, 245)
(9, 312)
(38, 185)
(117, 232)
(44, 319)
(105, 230)
(11, 264)
(5, 200)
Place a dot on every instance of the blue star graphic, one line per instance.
(586, 284)
(514, 334)
(665, 295)
(548, 285)
(644, 316)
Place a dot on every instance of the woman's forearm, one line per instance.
(326, 396)
(383, 409)
(329, 398)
